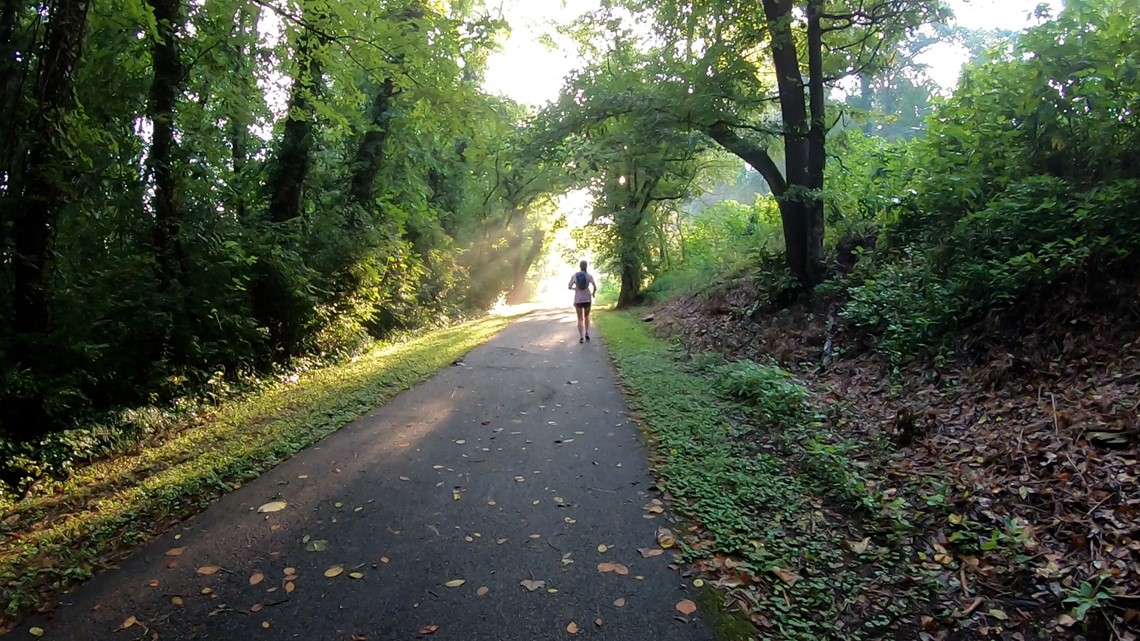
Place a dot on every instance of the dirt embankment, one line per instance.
(1018, 456)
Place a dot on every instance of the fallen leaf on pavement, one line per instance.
(272, 506)
(176, 600)
(36, 632)
(532, 585)
(317, 545)
(859, 547)
(356, 575)
(207, 570)
(665, 537)
(686, 607)
(289, 587)
(598, 622)
(153, 583)
(602, 548)
(621, 569)
(483, 591)
(619, 602)
(265, 625)
(650, 552)
(428, 629)
(698, 583)
(454, 583)
(129, 622)
(572, 628)
(207, 591)
(175, 551)
(256, 607)
(290, 571)
(384, 559)
(256, 578)
(334, 571)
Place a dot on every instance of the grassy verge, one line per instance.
(50, 541)
(782, 512)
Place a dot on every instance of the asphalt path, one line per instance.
(514, 465)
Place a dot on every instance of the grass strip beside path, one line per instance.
(57, 540)
(775, 533)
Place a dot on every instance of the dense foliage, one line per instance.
(197, 192)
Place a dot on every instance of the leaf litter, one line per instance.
(1013, 466)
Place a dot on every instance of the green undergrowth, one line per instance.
(741, 451)
(51, 540)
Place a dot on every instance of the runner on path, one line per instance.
(582, 282)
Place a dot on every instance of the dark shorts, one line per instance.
(582, 305)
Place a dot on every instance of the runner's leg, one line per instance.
(581, 316)
(587, 323)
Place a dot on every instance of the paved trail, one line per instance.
(529, 432)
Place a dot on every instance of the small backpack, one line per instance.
(581, 280)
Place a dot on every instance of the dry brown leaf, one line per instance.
(598, 622)
(619, 602)
(256, 607)
(384, 559)
(289, 587)
(454, 583)
(265, 625)
(256, 578)
(207, 591)
(787, 577)
(621, 569)
(532, 585)
(175, 551)
(650, 552)
(482, 591)
(207, 570)
(272, 506)
(428, 629)
(152, 583)
(334, 571)
(606, 567)
(36, 632)
(356, 575)
(176, 600)
(572, 628)
(129, 622)
(602, 548)
(665, 537)
(686, 607)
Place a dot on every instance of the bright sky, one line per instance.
(527, 71)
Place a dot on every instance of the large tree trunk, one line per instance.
(291, 166)
(370, 154)
(165, 85)
(39, 195)
(816, 146)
